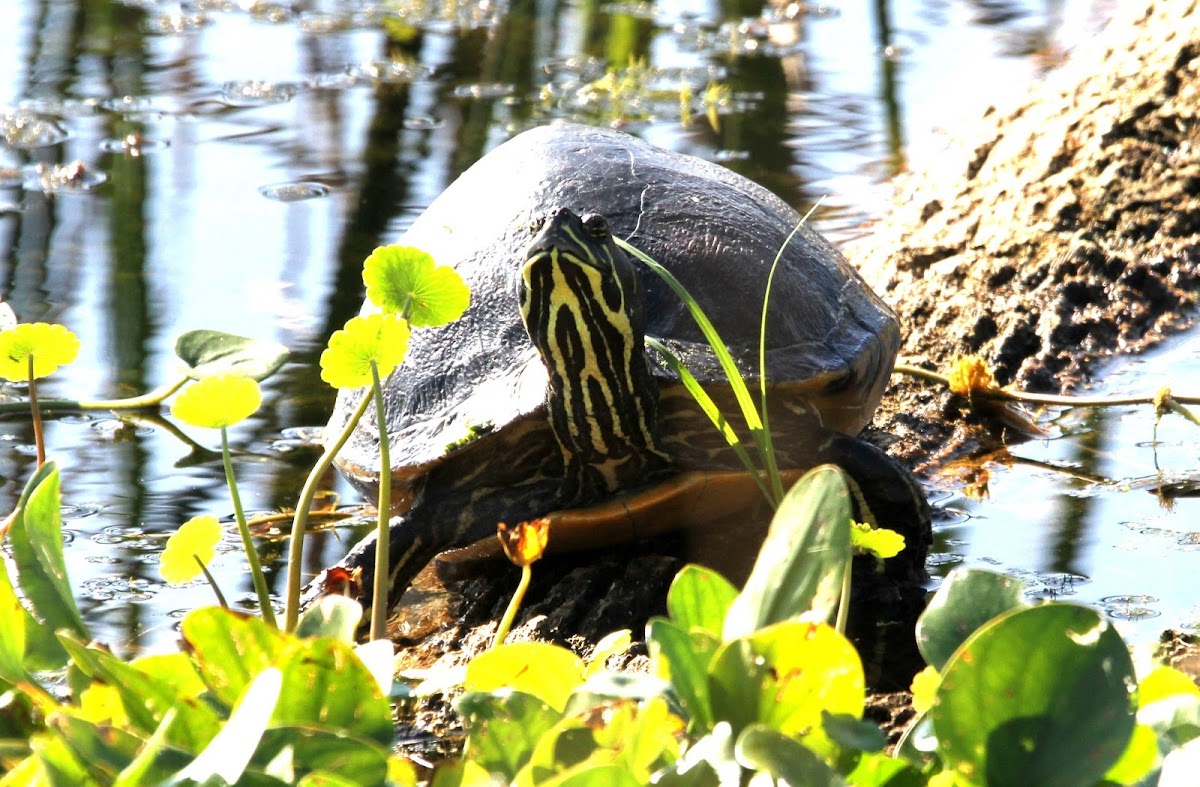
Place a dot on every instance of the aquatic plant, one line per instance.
(409, 290)
(219, 402)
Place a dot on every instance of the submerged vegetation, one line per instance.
(746, 683)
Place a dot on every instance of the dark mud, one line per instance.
(1054, 234)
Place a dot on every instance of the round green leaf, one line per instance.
(546, 671)
(50, 346)
(218, 401)
(378, 338)
(213, 352)
(403, 280)
(193, 545)
(1040, 695)
(967, 599)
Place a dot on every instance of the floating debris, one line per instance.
(484, 90)
(63, 178)
(26, 130)
(388, 71)
(176, 22)
(294, 192)
(423, 123)
(253, 93)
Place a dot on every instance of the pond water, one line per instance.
(242, 158)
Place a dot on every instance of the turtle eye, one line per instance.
(596, 226)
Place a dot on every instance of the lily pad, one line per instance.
(967, 599)
(1041, 695)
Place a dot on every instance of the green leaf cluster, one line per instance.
(241, 702)
(1039, 694)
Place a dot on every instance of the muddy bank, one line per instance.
(1054, 234)
(1059, 232)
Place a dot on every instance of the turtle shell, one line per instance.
(830, 339)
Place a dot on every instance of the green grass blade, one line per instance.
(769, 453)
(736, 382)
(710, 409)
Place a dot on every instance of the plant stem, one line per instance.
(256, 572)
(1005, 394)
(379, 595)
(212, 583)
(38, 438)
(843, 610)
(146, 400)
(300, 521)
(510, 613)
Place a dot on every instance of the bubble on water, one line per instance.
(297, 191)
(127, 104)
(133, 145)
(254, 93)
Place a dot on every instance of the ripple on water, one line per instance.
(1129, 607)
(297, 191)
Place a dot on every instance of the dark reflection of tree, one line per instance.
(380, 193)
(503, 55)
(617, 39)
(115, 30)
(1075, 511)
(889, 93)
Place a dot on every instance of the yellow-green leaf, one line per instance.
(50, 346)
(404, 280)
(196, 538)
(218, 401)
(924, 689)
(1164, 682)
(878, 541)
(382, 338)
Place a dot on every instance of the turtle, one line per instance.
(543, 398)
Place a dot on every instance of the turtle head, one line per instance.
(582, 308)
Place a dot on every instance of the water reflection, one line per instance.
(254, 158)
